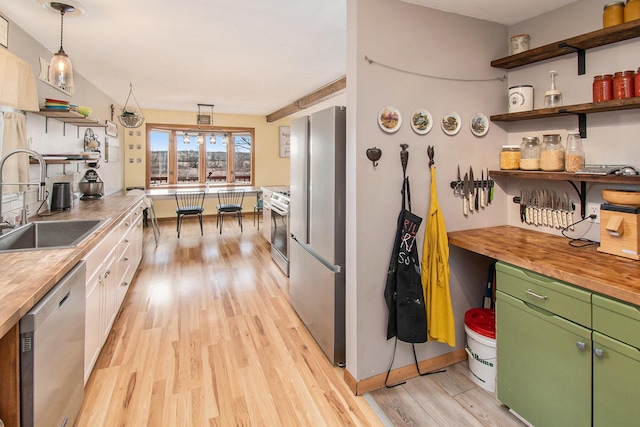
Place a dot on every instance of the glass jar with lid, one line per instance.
(530, 153)
(574, 154)
(510, 157)
(613, 14)
(623, 85)
(632, 10)
(552, 153)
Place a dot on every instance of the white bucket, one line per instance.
(482, 359)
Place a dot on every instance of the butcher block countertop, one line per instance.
(552, 256)
(26, 276)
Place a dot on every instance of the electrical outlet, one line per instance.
(593, 209)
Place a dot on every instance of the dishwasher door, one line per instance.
(52, 354)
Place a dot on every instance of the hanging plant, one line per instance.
(131, 116)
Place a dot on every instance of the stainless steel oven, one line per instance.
(280, 230)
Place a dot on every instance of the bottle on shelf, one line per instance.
(574, 154)
(552, 97)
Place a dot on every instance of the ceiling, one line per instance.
(245, 56)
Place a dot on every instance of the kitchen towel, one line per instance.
(16, 167)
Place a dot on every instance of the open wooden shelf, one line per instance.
(70, 117)
(567, 176)
(586, 108)
(605, 36)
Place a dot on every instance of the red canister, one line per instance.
(637, 82)
(603, 88)
(623, 86)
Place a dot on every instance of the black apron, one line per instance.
(403, 291)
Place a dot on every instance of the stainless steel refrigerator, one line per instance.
(317, 225)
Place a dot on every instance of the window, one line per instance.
(180, 156)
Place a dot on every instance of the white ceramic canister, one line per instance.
(520, 98)
(519, 43)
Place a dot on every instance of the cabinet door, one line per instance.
(109, 285)
(92, 326)
(616, 383)
(543, 364)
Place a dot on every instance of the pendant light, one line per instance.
(60, 68)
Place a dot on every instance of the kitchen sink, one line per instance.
(48, 235)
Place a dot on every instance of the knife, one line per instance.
(522, 206)
(565, 211)
(482, 195)
(465, 195)
(549, 208)
(456, 191)
(472, 186)
(529, 210)
(490, 190)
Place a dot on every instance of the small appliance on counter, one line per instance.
(91, 185)
(620, 223)
(61, 196)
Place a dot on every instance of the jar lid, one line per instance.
(512, 147)
(515, 87)
(615, 3)
(530, 139)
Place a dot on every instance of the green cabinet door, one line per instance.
(544, 364)
(616, 383)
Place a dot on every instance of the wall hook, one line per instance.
(374, 155)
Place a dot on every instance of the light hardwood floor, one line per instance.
(206, 337)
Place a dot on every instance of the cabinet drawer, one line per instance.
(99, 253)
(617, 319)
(557, 297)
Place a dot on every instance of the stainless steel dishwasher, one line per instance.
(52, 354)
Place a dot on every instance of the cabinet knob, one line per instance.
(598, 352)
(125, 259)
(126, 224)
(581, 345)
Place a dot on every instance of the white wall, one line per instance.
(415, 41)
(426, 41)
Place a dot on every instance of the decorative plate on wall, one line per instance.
(389, 119)
(421, 121)
(451, 123)
(479, 124)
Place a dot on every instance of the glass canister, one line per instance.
(613, 14)
(632, 10)
(603, 88)
(574, 154)
(552, 153)
(623, 86)
(510, 157)
(530, 153)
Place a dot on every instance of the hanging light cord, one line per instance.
(371, 61)
(61, 27)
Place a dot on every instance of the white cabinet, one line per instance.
(111, 266)
(100, 298)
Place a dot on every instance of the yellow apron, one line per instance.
(436, 274)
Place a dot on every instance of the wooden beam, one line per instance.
(310, 99)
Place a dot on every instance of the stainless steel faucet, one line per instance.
(41, 189)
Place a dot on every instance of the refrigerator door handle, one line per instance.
(332, 267)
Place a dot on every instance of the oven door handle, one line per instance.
(278, 210)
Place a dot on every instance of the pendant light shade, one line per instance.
(60, 68)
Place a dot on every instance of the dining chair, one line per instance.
(229, 201)
(257, 208)
(149, 210)
(189, 203)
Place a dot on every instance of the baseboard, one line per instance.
(404, 373)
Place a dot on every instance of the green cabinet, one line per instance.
(565, 356)
(544, 360)
(616, 363)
